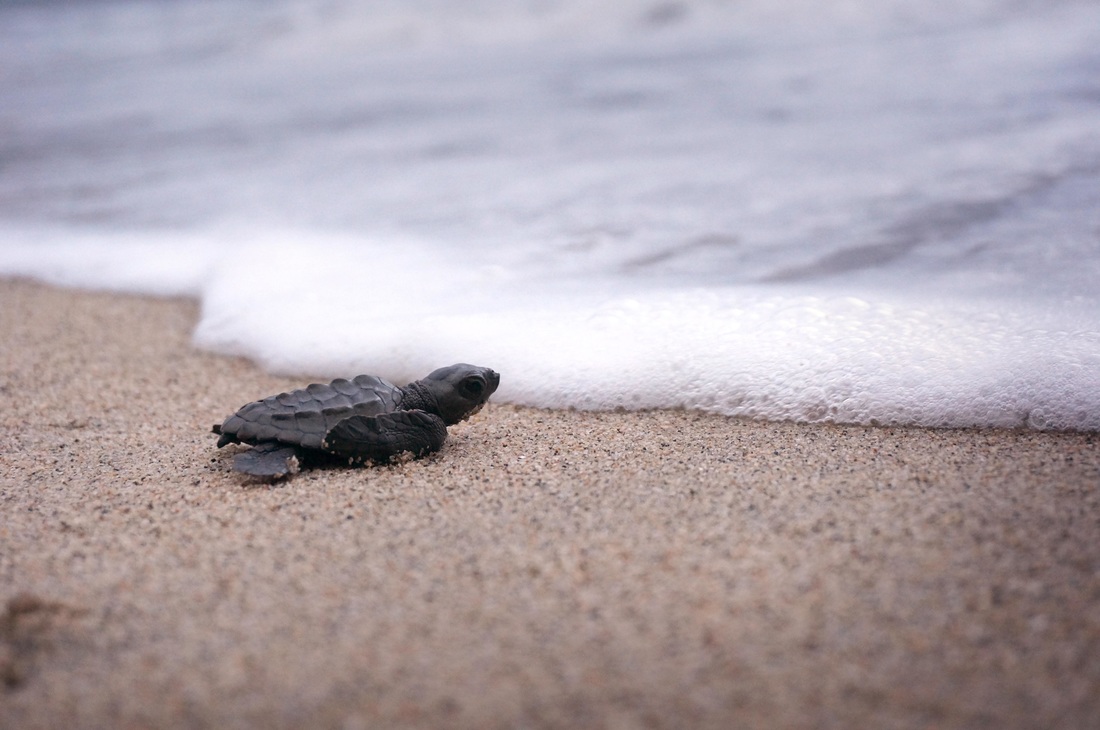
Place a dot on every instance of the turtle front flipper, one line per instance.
(382, 437)
(268, 460)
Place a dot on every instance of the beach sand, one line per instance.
(548, 569)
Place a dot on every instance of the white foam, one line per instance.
(161, 264)
(742, 350)
(332, 306)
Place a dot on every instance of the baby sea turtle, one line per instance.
(363, 420)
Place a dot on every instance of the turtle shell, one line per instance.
(302, 417)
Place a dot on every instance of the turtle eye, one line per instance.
(474, 387)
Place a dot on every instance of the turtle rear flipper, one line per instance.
(268, 460)
(380, 438)
(224, 438)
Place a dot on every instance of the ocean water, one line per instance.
(863, 211)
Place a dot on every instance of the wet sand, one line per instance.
(548, 569)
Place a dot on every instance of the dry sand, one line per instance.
(547, 569)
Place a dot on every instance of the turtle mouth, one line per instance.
(473, 411)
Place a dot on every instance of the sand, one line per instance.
(547, 569)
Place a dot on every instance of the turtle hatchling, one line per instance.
(362, 420)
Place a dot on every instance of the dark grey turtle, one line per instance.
(362, 420)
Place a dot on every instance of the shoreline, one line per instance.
(546, 569)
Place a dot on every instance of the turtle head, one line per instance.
(460, 391)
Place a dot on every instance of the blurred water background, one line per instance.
(864, 211)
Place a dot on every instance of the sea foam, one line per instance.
(332, 307)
